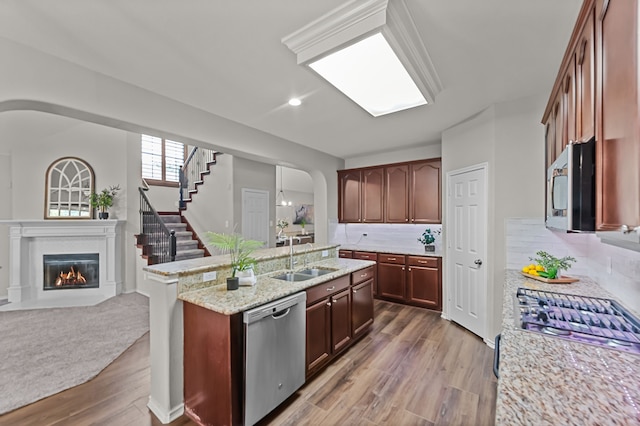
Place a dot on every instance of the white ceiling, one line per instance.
(226, 57)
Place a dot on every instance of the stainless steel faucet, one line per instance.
(306, 254)
(291, 262)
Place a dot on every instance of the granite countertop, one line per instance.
(217, 298)
(550, 381)
(413, 251)
(204, 264)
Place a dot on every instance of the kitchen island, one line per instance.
(200, 283)
(546, 380)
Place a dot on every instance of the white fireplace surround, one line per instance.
(30, 240)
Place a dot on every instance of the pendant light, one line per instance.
(280, 199)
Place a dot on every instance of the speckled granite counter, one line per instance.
(550, 381)
(217, 298)
(413, 251)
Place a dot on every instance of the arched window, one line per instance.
(68, 190)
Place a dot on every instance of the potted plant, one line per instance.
(551, 265)
(103, 200)
(303, 222)
(241, 261)
(428, 238)
(282, 223)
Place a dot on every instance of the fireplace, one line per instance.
(96, 251)
(71, 271)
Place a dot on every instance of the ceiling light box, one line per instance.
(372, 52)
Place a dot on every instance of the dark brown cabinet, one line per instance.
(318, 326)
(414, 280)
(618, 149)
(337, 313)
(397, 193)
(349, 196)
(391, 277)
(424, 282)
(373, 195)
(407, 192)
(596, 94)
(345, 254)
(361, 307)
(425, 198)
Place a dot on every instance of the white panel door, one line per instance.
(255, 215)
(466, 248)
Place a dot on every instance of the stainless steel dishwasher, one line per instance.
(274, 354)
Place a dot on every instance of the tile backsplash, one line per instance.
(616, 269)
(388, 235)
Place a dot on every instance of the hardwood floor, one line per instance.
(413, 368)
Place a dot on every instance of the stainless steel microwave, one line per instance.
(571, 205)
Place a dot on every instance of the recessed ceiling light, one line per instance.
(295, 102)
(370, 73)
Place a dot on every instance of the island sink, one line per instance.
(292, 276)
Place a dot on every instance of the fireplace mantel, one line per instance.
(29, 240)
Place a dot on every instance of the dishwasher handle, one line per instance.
(274, 308)
(496, 357)
(283, 313)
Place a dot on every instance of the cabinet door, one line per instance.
(424, 287)
(397, 194)
(618, 148)
(425, 199)
(349, 196)
(550, 141)
(318, 334)
(346, 254)
(391, 281)
(559, 120)
(569, 101)
(361, 307)
(585, 81)
(340, 320)
(373, 195)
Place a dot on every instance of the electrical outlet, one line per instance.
(209, 276)
(325, 253)
(364, 234)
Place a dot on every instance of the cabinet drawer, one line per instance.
(323, 290)
(348, 254)
(391, 258)
(362, 275)
(365, 255)
(431, 262)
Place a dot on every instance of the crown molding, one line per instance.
(358, 19)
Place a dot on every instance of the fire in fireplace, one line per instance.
(68, 271)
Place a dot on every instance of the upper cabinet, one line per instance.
(596, 94)
(349, 195)
(394, 193)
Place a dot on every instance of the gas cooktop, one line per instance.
(590, 320)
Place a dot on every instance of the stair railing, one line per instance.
(191, 172)
(156, 234)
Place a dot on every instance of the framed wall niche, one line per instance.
(69, 184)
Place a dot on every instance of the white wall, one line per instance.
(34, 80)
(616, 269)
(45, 140)
(509, 137)
(428, 150)
(5, 213)
(212, 206)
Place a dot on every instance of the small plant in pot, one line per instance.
(428, 238)
(240, 251)
(103, 200)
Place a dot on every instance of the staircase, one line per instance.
(155, 238)
(188, 246)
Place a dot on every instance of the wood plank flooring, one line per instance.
(413, 368)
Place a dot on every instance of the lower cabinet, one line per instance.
(338, 312)
(414, 280)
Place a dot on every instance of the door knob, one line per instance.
(478, 262)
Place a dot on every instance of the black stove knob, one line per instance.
(542, 316)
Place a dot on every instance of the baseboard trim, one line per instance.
(164, 416)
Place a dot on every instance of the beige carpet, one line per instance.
(45, 351)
